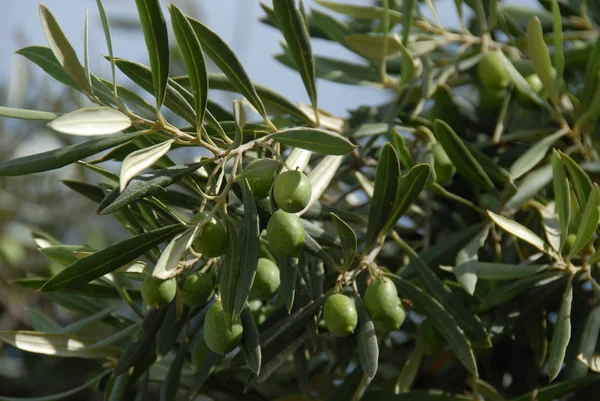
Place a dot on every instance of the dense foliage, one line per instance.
(438, 246)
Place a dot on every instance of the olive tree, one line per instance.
(438, 246)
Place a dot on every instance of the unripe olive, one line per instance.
(433, 342)
(569, 242)
(443, 166)
(292, 191)
(492, 71)
(381, 298)
(490, 99)
(260, 186)
(285, 234)
(340, 315)
(266, 281)
(198, 289)
(212, 241)
(536, 84)
(218, 337)
(158, 292)
(390, 321)
(199, 353)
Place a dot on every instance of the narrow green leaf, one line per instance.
(521, 83)
(144, 344)
(107, 35)
(41, 322)
(110, 258)
(411, 368)
(315, 140)
(293, 27)
(591, 76)
(582, 185)
(384, 195)
(557, 390)
(460, 156)
(169, 387)
(57, 158)
(465, 275)
(230, 272)
(86, 55)
(561, 334)
(373, 46)
(562, 195)
(540, 57)
(57, 344)
(147, 184)
(222, 55)
(361, 12)
(272, 99)
(331, 27)
(193, 55)
(589, 222)
(138, 161)
(468, 322)
(530, 186)
(250, 341)
(347, 238)
(249, 248)
(559, 53)
(410, 187)
(587, 344)
(519, 231)
(366, 338)
(510, 291)
(44, 58)
(91, 121)
(157, 42)
(442, 320)
(61, 396)
(534, 155)
(494, 271)
(24, 114)
(62, 49)
(288, 269)
(408, 7)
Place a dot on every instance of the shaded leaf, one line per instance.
(292, 25)
(62, 49)
(582, 185)
(230, 273)
(589, 222)
(57, 158)
(194, 60)
(157, 42)
(107, 35)
(561, 334)
(347, 239)
(410, 187)
(460, 156)
(320, 177)
(442, 320)
(587, 344)
(65, 394)
(361, 12)
(110, 258)
(63, 345)
(384, 194)
(366, 338)
(250, 341)
(249, 248)
(534, 155)
(562, 195)
(315, 140)
(540, 57)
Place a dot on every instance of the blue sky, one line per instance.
(235, 20)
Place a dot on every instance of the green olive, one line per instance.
(443, 166)
(212, 241)
(491, 99)
(340, 315)
(390, 321)
(199, 353)
(157, 292)
(536, 84)
(260, 186)
(292, 191)
(266, 281)
(492, 71)
(433, 342)
(218, 337)
(381, 298)
(198, 289)
(285, 234)
(569, 242)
